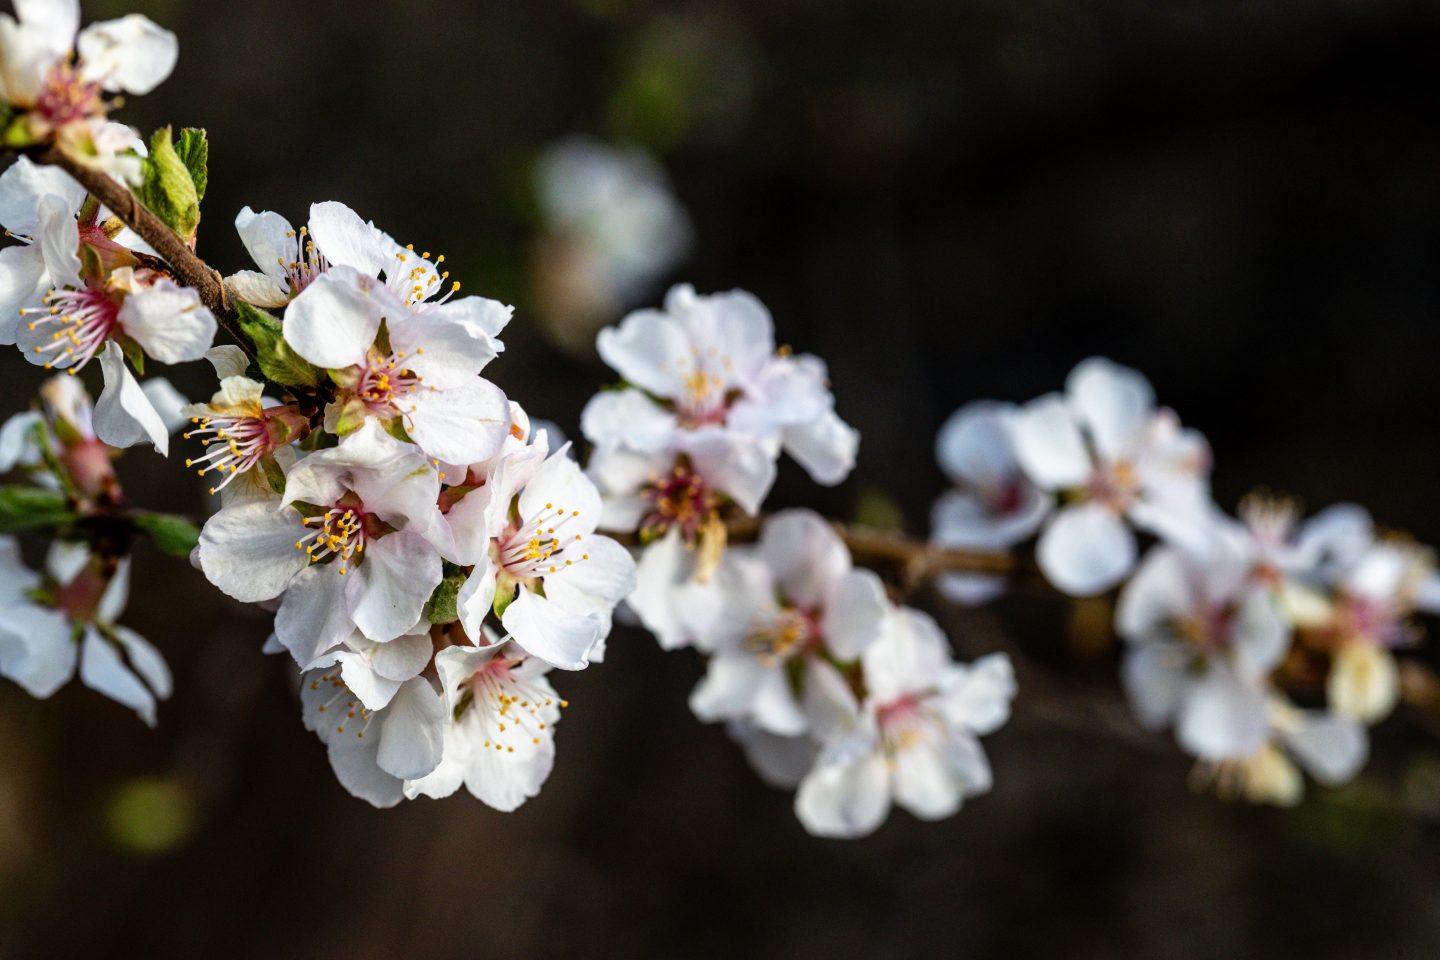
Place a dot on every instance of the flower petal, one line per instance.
(1086, 550)
(132, 54)
(124, 415)
(248, 550)
(1048, 444)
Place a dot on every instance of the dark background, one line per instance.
(947, 199)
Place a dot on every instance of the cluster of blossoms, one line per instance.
(1263, 641)
(65, 616)
(431, 556)
(834, 690)
(830, 687)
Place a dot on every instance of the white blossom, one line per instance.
(499, 738)
(354, 544)
(1105, 445)
(993, 506)
(706, 386)
(66, 619)
(914, 739)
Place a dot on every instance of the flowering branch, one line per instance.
(188, 268)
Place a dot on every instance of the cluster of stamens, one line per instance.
(512, 709)
(387, 381)
(83, 321)
(1114, 484)
(232, 446)
(338, 532)
(67, 97)
(541, 545)
(680, 498)
(301, 272)
(792, 632)
(704, 376)
(417, 284)
(351, 713)
(906, 722)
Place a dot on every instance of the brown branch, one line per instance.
(915, 559)
(188, 268)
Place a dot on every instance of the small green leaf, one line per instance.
(506, 590)
(441, 607)
(274, 474)
(344, 419)
(173, 535)
(194, 151)
(31, 508)
(278, 363)
(168, 188)
(133, 352)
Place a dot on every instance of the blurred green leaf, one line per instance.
(31, 508)
(278, 363)
(174, 535)
(441, 607)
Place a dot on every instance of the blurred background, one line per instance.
(946, 199)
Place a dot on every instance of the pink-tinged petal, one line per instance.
(412, 731)
(1155, 676)
(248, 550)
(561, 486)
(968, 521)
(132, 54)
(825, 447)
(740, 466)
(847, 798)
(313, 618)
(1162, 591)
(36, 648)
(334, 320)
(505, 780)
(1222, 718)
(546, 630)
(443, 352)
(806, 555)
(647, 349)
(103, 670)
(23, 282)
(124, 415)
(271, 242)
(924, 782)
(169, 322)
(476, 596)
(974, 444)
(348, 241)
(147, 661)
(387, 590)
(781, 762)
(627, 418)
(1048, 444)
(459, 424)
(910, 655)
(258, 289)
(1086, 550)
(1115, 404)
(24, 184)
(1332, 748)
(855, 614)
(59, 239)
(977, 697)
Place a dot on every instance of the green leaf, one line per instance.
(441, 607)
(168, 187)
(133, 352)
(174, 535)
(278, 363)
(506, 590)
(31, 508)
(194, 151)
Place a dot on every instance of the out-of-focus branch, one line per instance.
(188, 268)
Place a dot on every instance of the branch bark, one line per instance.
(187, 267)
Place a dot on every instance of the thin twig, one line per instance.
(188, 268)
